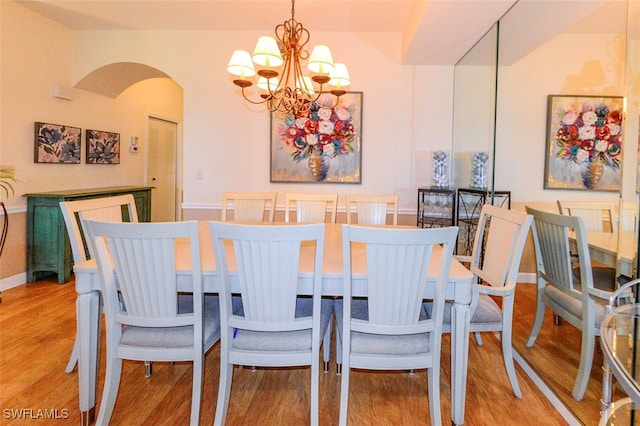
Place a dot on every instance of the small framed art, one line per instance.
(103, 147)
(57, 143)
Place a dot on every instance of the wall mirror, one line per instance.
(473, 139)
(568, 48)
(540, 48)
(474, 108)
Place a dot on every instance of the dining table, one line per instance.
(615, 249)
(620, 343)
(458, 291)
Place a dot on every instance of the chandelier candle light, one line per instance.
(283, 87)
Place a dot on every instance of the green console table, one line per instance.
(48, 248)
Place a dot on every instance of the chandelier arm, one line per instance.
(246, 98)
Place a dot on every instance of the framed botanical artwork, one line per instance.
(103, 147)
(584, 143)
(323, 145)
(56, 143)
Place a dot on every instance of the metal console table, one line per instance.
(436, 207)
(469, 205)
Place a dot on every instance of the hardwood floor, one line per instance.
(37, 327)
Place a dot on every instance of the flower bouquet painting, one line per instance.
(322, 145)
(584, 143)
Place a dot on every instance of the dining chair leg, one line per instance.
(110, 390)
(507, 348)
(196, 392)
(326, 348)
(73, 358)
(224, 392)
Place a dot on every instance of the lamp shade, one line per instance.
(320, 61)
(340, 76)
(305, 84)
(240, 64)
(267, 84)
(267, 53)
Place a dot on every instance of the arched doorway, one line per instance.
(158, 133)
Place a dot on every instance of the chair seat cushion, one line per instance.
(408, 344)
(573, 305)
(486, 312)
(176, 337)
(604, 277)
(299, 340)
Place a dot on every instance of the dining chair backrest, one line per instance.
(568, 294)
(554, 259)
(249, 206)
(501, 235)
(372, 209)
(311, 208)
(594, 214)
(268, 260)
(143, 257)
(106, 209)
(398, 260)
(272, 326)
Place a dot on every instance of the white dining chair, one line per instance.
(138, 262)
(310, 208)
(573, 298)
(372, 209)
(500, 238)
(628, 216)
(597, 216)
(390, 329)
(249, 206)
(109, 209)
(272, 326)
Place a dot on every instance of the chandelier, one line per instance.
(281, 82)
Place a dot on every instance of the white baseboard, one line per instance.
(527, 277)
(14, 281)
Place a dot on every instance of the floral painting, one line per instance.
(55, 143)
(321, 145)
(103, 147)
(584, 143)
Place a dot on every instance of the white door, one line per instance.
(162, 169)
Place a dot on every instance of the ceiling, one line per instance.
(433, 32)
